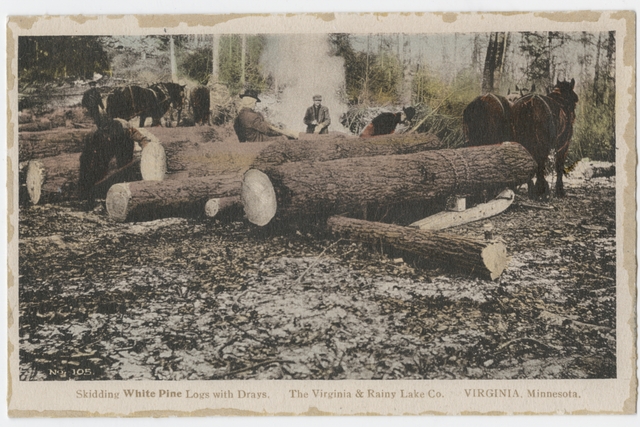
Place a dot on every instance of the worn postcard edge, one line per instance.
(622, 21)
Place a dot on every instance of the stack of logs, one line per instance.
(327, 177)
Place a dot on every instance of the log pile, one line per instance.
(192, 174)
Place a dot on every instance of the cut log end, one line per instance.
(495, 259)
(258, 197)
(35, 178)
(153, 162)
(212, 207)
(118, 202)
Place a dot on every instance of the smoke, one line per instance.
(301, 66)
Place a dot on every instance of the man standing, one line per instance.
(250, 126)
(92, 101)
(317, 117)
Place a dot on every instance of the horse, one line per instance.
(167, 95)
(385, 123)
(200, 103)
(542, 123)
(110, 140)
(487, 120)
(131, 101)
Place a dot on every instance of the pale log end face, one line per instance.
(258, 197)
(212, 207)
(35, 179)
(153, 162)
(495, 259)
(118, 202)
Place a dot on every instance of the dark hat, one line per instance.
(250, 93)
(92, 83)
(317, 97)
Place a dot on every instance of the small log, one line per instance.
(443, 220)
(148, 200)
(36, 145)
(36, 126)
(484, 259)
(345, 185)
(218, 205)
(53, 179)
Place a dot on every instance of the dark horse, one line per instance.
(110, 140)
(200, 102)
(487, 120)
(543, 123)
(131, 101)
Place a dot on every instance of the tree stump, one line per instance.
(346, 185)
(467, 256)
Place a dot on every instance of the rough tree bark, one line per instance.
(197, 155)
(148, 200)
(345, 185)
(340, 147)
(481, 258)
(36, 145)
(53, 179)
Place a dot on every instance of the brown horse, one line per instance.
(200, 103)
(543, 123)
(487, 120)
(131, 101)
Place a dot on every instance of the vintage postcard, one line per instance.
(322, 214)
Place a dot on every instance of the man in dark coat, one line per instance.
(92, 101)
(317, 117)
(251, 126)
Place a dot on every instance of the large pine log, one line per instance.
(36, 145)
(345, 185)
(147, 200)
(37, 126)
(484, 259)
(340, 147)
(199, 151)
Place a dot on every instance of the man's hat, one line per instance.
(92, 83)
(251, 93)
(317, 97)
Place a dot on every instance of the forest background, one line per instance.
(439, 74)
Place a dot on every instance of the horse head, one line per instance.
(563, 93)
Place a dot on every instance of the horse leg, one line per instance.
(143, 119)
(542, 186)
(560, 159)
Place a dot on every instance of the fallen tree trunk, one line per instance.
(484, 259)
(53, 179)
(346, 185)
(36, 145)
(148, 200)
(37, 126)
(217, 206)
(190, 155)
(340, 147)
